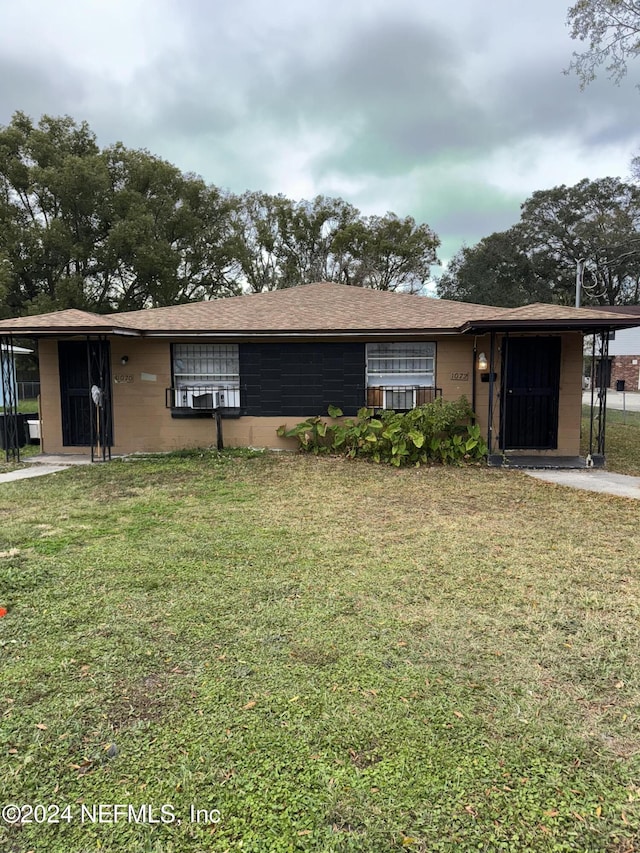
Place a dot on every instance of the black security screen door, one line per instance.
(530, 393)
(79, 420)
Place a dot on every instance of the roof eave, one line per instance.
(282, 334)
(578, 325)
(57, 331)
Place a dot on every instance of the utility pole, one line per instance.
(579, 275)
(581, 262)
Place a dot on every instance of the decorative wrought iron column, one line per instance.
(99, 371)
(10, 421)
(598, 410)
(492, 355)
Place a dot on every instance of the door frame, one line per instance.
(94, 363)
(553, 396)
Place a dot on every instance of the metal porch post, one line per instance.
(10, 402)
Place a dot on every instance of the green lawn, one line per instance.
(337, 656)
(26, 406)
(25, 452)
(622, 448)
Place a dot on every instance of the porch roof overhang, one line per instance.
(579, 324)
(24, 330)
(64, 323)
(74, 331)
(542, 317)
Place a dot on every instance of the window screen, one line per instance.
(401, 364)
(206, 364)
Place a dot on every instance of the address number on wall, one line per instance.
(460, 377)
(123, 377)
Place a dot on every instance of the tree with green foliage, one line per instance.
(256, 245)
(593, 224)
(168, 237)
(280, 243)
(611, 29)
(50, 180)
(117, 229)
(308, 234)
(496, 271)
(103, 230)
(328, 239)
(390, 253)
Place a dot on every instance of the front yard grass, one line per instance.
(25, 452)
(335, 655)
(622, 450)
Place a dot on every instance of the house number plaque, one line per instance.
(460, 377)
(121, 378)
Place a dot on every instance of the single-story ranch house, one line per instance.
(237, 368)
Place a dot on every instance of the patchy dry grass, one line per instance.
(337, 656)
(622, 440)
(11, 465)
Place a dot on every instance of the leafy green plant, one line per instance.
(314, 435)
(436, 432)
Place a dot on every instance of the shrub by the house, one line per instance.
(435, 432)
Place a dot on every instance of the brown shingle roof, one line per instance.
(320, 307)
(542, 311)
(70, 320)
(540, 315)
(633, 310)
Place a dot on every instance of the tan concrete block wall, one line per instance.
(483, 344)
(454, 367)
(569, 414)
(142, 422)
(50, 407)
(570, 411)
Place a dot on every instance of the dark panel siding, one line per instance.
(301, 379)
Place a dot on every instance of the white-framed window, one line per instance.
(398, 374)
(206, 376)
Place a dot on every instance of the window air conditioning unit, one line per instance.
(399, 399)
(227, 398)
(207, 398)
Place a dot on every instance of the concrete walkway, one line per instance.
(27, 473)
(64, 459)
(593, 480)
(42, 464)
(628, 400)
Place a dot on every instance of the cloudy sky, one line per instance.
(453, 113)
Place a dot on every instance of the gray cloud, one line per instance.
(537, 98)
(403, 107)
(393, 87)
(37, 89)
